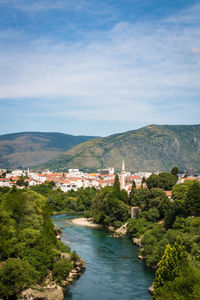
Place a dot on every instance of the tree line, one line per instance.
(29, 249)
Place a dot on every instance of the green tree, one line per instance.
(41, 261)
(108, 207)
(171, 264)
(143, 179)
(153, 181)
(26, 183)
(20, 182)
(193, 199)
(163, 180)
(117, 184)
(179, 196)
(27, 235)
(52, 183)
(16, 275)
(133, 190)
(61, 269)
(175, 171)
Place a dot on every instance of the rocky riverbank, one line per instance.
(50, 289)
(138, 242)
(117, 232)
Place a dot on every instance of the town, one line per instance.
(75, 179)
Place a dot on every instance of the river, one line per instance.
(113, 271)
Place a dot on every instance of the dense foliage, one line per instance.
(168, 231)
(159, 223)
(57, 200)
(163, 180)
(16, 275)
(28, 244)
(61, 269)
(176, 277)
(109, 207)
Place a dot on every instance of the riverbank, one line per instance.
(68, 211)
(116, 232)
(52, 290)
(86, 222)
(102, 279)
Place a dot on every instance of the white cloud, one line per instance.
(38, 5)
(35, 6)
(196, 50)
(130, 70)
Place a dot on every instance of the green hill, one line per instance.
(152, 148)
(26, 149)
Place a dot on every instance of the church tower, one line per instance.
(123, 176)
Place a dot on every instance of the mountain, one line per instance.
(151, 148)
(27, 149)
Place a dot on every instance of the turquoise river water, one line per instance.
(113, 271)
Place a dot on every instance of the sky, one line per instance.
(91, 67)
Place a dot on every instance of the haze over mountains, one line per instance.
(27, 149)
(151, 148)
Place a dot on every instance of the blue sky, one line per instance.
(98, 67)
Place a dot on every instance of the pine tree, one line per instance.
(133, 190)
(175, 171)
(117, 184)
(170, 266)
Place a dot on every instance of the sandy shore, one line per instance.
(85, 222)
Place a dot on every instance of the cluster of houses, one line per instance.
(76, 179)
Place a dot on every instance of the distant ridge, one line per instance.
(153, 148)
(25, 149)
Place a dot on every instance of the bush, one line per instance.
(152, 215)
(117, 224)
(171, 265)
(154, 244)
(136, 227)
(16, 275)
(74, 255)
(61, 269)
(163, 180)
(41, 261)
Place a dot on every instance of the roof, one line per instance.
(190, 179)
(132, 177)
(168, 193)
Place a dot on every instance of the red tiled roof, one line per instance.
(133, 177)
(190, 179)
(168, 193)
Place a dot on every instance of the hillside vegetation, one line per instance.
(29, 249)
(155, 147)
(27, 149)
(167, 231)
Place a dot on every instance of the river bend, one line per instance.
(113, 271)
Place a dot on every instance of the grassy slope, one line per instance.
(150, 148)
(33, 148)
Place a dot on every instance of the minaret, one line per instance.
(123, 176)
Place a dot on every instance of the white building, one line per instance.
(75, 173)
(5, 182)
(107, 171)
